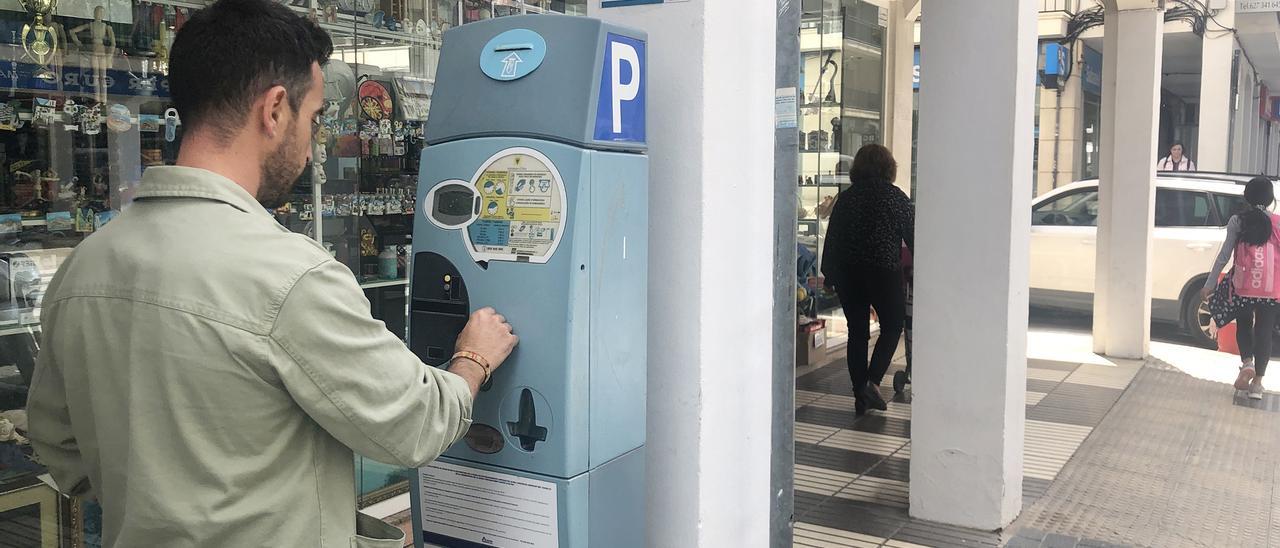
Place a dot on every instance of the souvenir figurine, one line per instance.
(102, 50)
(39, 38)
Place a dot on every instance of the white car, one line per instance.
(1192, 210)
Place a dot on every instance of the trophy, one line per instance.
(39, 39)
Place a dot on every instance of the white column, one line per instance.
(1215, 94)
(900, 71)
(1134, 43)
(978, 62)
(711, 132)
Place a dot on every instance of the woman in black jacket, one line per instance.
(862, 260)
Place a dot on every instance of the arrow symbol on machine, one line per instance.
(509, 64)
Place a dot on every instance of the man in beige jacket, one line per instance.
(205, 373)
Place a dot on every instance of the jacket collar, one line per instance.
(190, 182)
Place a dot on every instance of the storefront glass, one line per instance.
(86, 112)
(841, 109)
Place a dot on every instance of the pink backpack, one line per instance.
(1257, 267)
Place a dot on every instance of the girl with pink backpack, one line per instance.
(1253, 295)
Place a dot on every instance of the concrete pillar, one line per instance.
(711, 135)
(1134, 43)
(901, 89)
(1215, 95)
(978, 63)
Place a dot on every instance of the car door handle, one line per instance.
(1200, 247)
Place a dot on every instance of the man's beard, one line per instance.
(279, 175)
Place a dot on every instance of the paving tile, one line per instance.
(817, 536)
(891, 543)
(1031, 534)
(1020, 542)
(806, 501)
(1048, 446)
(1052, 364)
(1103, 376)
(835, 458)
(821, 481)
(881, 491)
(867, 442)
(858, 516)
(1037, 385)
(944, 536)
(1060, 541)
(1052, 375)
(1034, 398)
(812, 433)
(893, 468)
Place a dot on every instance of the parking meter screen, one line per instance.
(454, 203)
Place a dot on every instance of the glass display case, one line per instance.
(841, 109)
(85, 110)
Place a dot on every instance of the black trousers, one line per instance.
(862, 290)
(1255, 328)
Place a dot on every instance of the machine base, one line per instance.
(602, 507)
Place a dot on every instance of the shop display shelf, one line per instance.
(384, 283)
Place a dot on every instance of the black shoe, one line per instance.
(859, 407)
(871, 394)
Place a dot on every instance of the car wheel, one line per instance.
(1197, 321)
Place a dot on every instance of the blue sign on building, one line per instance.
(620, 111)
(915, 75)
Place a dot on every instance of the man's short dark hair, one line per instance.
(231, 52)
(874, 164)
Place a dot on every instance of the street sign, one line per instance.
(620, 114)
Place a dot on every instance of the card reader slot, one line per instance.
(441, 307)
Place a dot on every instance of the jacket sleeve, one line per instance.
(834, 242)
(1224, 254)
(358, 380)
(49, 422)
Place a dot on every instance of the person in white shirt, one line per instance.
(1175, 161)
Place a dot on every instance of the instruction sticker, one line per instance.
(488, 508)
(521, 208)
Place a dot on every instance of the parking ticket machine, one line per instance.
(533, 200)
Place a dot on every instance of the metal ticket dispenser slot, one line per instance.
(533, 200)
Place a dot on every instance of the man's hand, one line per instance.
(489, 335)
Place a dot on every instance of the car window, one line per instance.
(1078, 208)
(1229, 205)
(1182, 208)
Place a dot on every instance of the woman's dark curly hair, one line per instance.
(874, 164)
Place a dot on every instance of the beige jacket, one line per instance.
(207, 374)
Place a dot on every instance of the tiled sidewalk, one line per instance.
(1181, 460)
(852, 473)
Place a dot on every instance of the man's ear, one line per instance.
(271, 110)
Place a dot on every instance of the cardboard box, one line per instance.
(811, 343)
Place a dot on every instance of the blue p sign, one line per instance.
(620, 111)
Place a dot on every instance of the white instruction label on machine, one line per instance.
(522, 208)
(488, 508)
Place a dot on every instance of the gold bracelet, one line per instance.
(478, 359)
